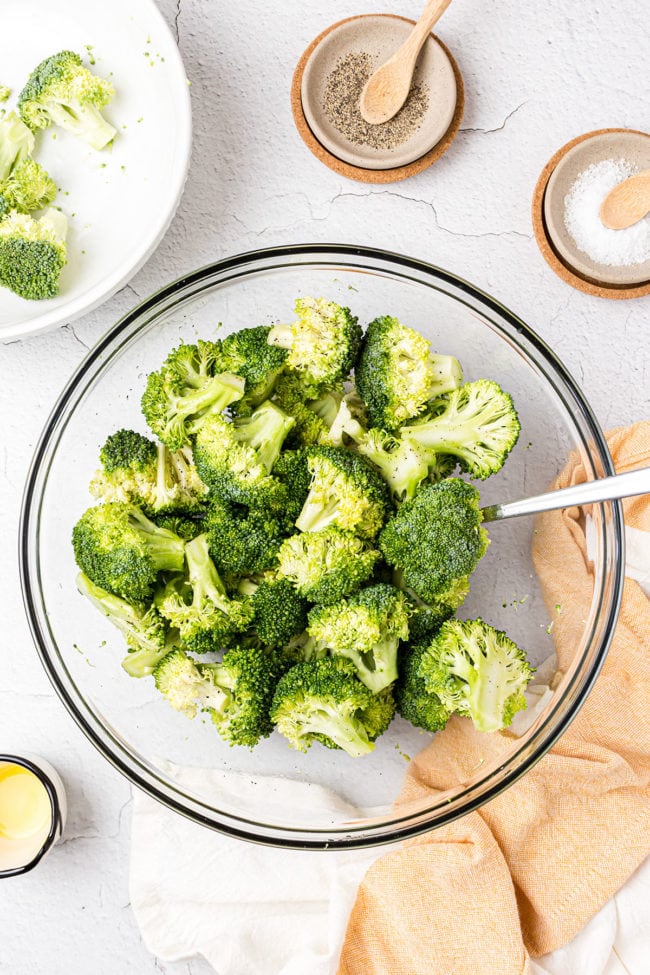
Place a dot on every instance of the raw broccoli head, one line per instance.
(28, 187)
(61, 91)
(322, 700)
(292, 469)
(326, 565)
(198, 606)
(477, 424)
(436, 540)
(32, 253)
(280, 612)
(242, 541)
(403, 464)
(367, 629)
(323, 342)
(185, 526)
(413, 701)
(186, 390)
(121, 550)
(247, 353)
(425, 620)
(345, 491)
(477, 671)
(295, 399)
(397, 374)
(16, 144)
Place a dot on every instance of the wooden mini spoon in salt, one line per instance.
(627, 203)
(387, 89)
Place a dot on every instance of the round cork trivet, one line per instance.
(356, 172)
(545, 244)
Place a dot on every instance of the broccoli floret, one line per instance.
(323, 700)
(136, 469)
(477, 671)
(247, 353)
(121, 550)
(413, 701)
(326, 565)
(397, 374)
(425, 620)
(366, 628)
(185, 526)
(143, 627)
(292, 469)
(27, 188)
(477, 423)
(198, 605)
(296, 400)
(323, 342)
(436, 540)
(235, 459)
(403, 464)
(32, 253)
(345, 491)
(441, 465)
(348, 425)
(5, 93)
(280, 611)
(16, 144)
(61, 91)
(242, 541)
(186, 390)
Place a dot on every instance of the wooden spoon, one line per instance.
(627, 203)
(387, 90)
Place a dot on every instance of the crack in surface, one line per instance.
(176, 16)
(81, 342)
(499, 128)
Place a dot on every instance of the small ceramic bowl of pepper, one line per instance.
(325, 94)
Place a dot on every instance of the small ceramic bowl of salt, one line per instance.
(574, 193)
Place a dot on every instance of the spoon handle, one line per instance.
(433, 11)
(602, 489)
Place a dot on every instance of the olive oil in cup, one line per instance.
(32, 812)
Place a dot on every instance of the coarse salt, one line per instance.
(613, 248)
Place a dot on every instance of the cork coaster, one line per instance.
(357, 172)
(549, 253)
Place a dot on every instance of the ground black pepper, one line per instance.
(341, 105)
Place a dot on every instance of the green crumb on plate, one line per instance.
(4, 93)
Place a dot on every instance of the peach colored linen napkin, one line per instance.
(522, 875)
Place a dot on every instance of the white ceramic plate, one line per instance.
(119, 201)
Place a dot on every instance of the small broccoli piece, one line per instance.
(61, 91)
(27, 188)
(248, 354)
(366, 628)
(5, 93)
(179, 680)
(186, 390)
(121, 550)
(436, 540)
(295, 400)
(477, 671)
(403, 464)
(413, 701)
(345, 491)
(16, 144)
(323, 342)
(326, 565)
(425, 620)
(322, 700)
(235, 459)
(241, 541)
(280, 611)
(348, 426)
(144, 628)
(397, 374)
(185, 526)
(477, 423)
(441, 465)
(32, 253)
(208, 619)
(292, 469)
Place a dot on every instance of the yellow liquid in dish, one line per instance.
(25, 807)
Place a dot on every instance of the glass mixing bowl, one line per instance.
(322, 799)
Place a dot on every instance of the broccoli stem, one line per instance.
(282, 336)
(212, 397)
(265, 431)
(85, 121)
(327, 721)
(166, 549)
(204, 579)
(315, 515)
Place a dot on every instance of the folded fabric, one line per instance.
(522, 875)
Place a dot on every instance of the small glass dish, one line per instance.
(272, 794)
(21, 855)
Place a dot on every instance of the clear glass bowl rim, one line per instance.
(144, 776)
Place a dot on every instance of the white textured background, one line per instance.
(535, 75)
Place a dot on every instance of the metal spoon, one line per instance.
(627, 203)
(603, 489)
(387, 89)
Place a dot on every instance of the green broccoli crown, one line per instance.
(413, 701)
(477, 424)
(242, 541)
(209, 619)
(292, 469)
(61, 91)
(323, 342)
(322, 700)
(280, 612)
(397, 374)
(345, 491)
(403, 464)
(16, 144)
(296, 400)
(187, 390)
(477, 671)
(122, 551)
(326, 565)
(425, 620)
(436, 541)
(247, 353)
(28, 187)
(178, 679)
(185, 526)
(367, 629)
(127, 450)
(32, 253)
(232, 468)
